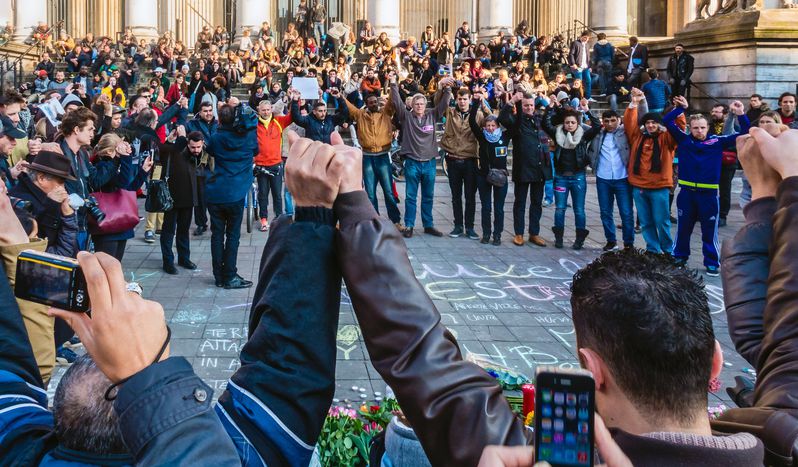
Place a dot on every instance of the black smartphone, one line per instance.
(51, 280)
(565, 401)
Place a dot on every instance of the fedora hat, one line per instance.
(52, 163)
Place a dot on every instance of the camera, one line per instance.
(90, 203)
(51, 280)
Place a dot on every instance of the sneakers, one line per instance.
(433, 231)
(537, 240)
(680, 262)
(518, 240)
(264, 225)
(408, 232)
(237, 282)
(497, 241)
(456, 232)
(170, 269)
(200, 230)
(485, 240)
(713, 271)
(546, 203)
(399, 226)
(638, 229)
(64, 356)
(187, 265)
(610, 246)
(149, 236)
(472, 234)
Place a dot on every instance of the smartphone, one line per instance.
(51, 280)
(565, 401)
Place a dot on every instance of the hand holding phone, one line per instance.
(565, 404)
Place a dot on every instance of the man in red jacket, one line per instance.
(268, 161)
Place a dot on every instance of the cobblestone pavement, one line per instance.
(506, 303)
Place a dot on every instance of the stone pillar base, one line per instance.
(737, 55)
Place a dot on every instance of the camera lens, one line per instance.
(22, 204)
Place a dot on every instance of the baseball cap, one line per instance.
(10, 130)
(159, 70)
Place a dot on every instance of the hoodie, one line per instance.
(233, 154)
(603, 51)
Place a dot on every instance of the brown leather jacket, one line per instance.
(455, 406)
(766, 332)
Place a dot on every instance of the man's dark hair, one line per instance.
(786, 94)
(652, 73)
(13, 97)
(585, 34)
(204, 104)
(84, 420)
(722, 106)
(609, 114)
(601, 36)
(650, 323)
(634, 40)
(463, 92)
(758, 96)
(227, 114)
(196, 136)
(77, 118)
(320, 103)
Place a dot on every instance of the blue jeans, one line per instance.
(289, 202)
(576, 185)
(604, 74)
(653, 210)
(377, 169)
(548, 192)
(491, 196)
(225, 235)
(318, 31)
(621, 191)
(419, 173)
(587, 80)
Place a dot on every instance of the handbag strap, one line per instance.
(168, 167)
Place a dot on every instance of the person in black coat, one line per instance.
(492, 155)
(680, 70)
(180, 161)
(531, 164)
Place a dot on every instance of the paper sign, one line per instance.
(308, 87)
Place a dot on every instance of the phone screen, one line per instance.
(565, 403)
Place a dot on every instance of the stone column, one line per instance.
(27, 16)
(495, 16)
(384, 17)
(142, 17)
(609, 17)
(250, 14)
(6, 13)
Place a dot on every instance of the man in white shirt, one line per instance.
(579, 61)
(609, 157)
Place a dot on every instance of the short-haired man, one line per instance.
(462, 38)
(319, 126)
(579, 61)
(609, 157)
(78, 130)
(269, 161)
(724, 123)
(375, 135)
(700, 159)
(462, 158)
(9, 134)
(756, 106)
(204, 122)
(420, 149)
(787, 103)
(680, 71)
(638, 61)
(657, 92)
(531, 165)
(181, 159)
(233, 148)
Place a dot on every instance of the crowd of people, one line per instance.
(78, 144)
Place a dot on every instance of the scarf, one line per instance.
(656, 154)
(569, 140)
(493, 136)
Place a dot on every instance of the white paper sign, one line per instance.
(308, 87)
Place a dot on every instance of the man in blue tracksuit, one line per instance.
(700, 154)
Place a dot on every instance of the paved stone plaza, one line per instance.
(509, 304)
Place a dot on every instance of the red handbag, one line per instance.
(121, 212)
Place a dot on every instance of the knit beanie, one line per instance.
(652, 116)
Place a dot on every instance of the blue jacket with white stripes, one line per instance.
(273, 408)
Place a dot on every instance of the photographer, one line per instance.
(233, 148)
(129, 177)
(78, 130)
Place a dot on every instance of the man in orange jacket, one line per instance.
(268, 162)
